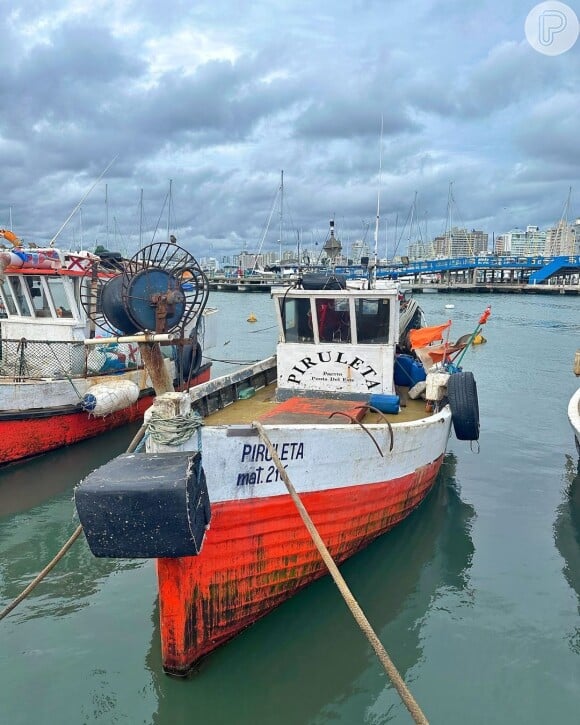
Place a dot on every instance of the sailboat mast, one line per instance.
(107, 211)
(413, 212)
(281, 211)
(567, 244)
(141, 220)
(449, 221)
(169, 210)
(73, 212)
(377, 221)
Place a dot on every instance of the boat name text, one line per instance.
(356, 363)
(258, 452)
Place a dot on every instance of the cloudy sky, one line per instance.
(220, 96)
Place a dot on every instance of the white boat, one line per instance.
(325, 410)
(574, 405)
(55, 389)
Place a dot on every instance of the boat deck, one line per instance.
(262, 406)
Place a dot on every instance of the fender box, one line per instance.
(145, 505)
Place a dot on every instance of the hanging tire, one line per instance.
(462, 395)
(196, 360)
(188, 359)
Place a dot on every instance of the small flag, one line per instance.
(425, 335)
(484, 318)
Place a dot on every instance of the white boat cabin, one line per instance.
(336, 342)
(42, 304)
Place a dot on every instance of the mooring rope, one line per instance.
(174, 431)
(50, 566)
(392, 672)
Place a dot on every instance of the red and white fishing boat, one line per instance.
(360, 452)
(54, 388)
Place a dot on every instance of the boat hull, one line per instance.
(574, 415)
(28, 433)
(257, 552)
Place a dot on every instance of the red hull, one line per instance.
(258, 553)
(25, 437)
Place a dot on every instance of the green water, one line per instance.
(476, 596)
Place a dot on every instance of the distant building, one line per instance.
(499, 244)
(359, 249)
(528, 243)
(576, 228)
(209, 263)
(420, 250)
(459, 242)
(562, 239)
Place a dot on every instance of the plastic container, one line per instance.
(408, 371)
(385, 403)
(436, 386)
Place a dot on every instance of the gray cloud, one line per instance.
(219, 98)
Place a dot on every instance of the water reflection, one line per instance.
(567, 534)
(37, 516)
(308, 659)
(26, 484)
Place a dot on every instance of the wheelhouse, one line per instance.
(336, 341)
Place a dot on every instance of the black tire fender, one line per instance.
(189, 359)
(464, 404)
(196, 360)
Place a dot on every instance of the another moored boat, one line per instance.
(325, 409)
(574, 405)
(54, 388)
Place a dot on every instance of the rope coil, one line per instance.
(174, 431)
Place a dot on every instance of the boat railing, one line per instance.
(36, 360)
(218, 393)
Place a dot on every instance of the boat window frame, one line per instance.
(391, 296)
(389, 319)
(8, 300)
(30, 278)
(314, 307)
(16, 299)
(12, 302)
(281, 315)
(66, 283)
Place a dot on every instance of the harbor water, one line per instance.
(476, 596)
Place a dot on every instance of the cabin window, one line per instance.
(7, 298)
(19, 293)
(59, 297)
(38, 296)
(333, 319)
(372, 320)
(296, 320)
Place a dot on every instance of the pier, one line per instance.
(479, 274)
(498, 288)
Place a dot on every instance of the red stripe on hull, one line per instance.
(258, 553)
(25, 437)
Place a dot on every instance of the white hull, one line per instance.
(574, 414)
(317, 457)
